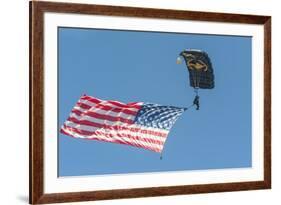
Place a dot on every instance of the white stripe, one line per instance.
(104, 122)
(104, 112)
(126, 133)
(115, 137)
(132, 132)
(97, 120)
(106, 103)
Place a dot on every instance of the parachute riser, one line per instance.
(196, 99)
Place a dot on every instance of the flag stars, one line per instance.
(158, 116)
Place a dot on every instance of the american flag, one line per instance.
(138, 124)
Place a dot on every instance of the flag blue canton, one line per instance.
(158, 116)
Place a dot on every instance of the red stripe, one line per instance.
(78, 131)
(116, 127)
(131, 105)
(116, 103)
(91, 99)
(134, 138)
(83, 105)
(116, 109)
(132, 143)
(108, 117)
(77, 112)
(88, 123)
(89, 133)
(102, 116)
(107, 108)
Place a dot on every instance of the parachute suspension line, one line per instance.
(196, 82)
(194, 79)
(197, 76)
(196, 90)
(196, 99)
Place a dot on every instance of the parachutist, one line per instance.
(196, 102)
(201, 73)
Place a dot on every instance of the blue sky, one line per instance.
(141, 66)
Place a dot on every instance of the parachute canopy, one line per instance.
(200, 68)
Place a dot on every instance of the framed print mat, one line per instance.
(134, 102)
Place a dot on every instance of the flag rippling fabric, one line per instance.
(143, 125)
